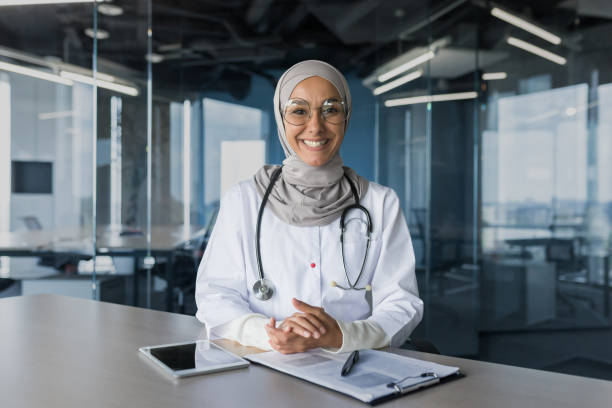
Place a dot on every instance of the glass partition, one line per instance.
(46, 150)
(496, 137)
(492, 123)
(125, 150)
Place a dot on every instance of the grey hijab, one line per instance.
(307, 195)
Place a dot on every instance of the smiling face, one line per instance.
(317, 141)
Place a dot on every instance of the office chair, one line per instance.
(422, 345)
(186, 260)
(5, 283)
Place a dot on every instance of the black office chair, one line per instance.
(421, 345)
(5, 283)
(185, 269)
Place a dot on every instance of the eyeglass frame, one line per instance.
(342, 102)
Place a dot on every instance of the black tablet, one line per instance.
(193, 358)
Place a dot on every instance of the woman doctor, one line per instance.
(317, 291)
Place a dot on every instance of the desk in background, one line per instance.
(66, 352)
(77, 243)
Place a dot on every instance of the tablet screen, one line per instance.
(200, 356)
(180, 357)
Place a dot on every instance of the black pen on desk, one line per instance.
(352, 359)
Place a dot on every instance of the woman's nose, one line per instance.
(315, 122)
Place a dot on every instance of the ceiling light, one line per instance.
(571, 111)
(38, 2)
(105, 77)
(400, 81)
(431, 98)
(492, 76)
(99, 33)
(35, 73)
(55, 115)
(520, 23)
(541, 52)
(154, 58)
(406, 66)
(128, 90)
(110, 10)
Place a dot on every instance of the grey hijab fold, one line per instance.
(307, 195)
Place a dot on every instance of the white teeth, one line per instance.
(315, 144)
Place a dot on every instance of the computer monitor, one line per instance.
(32, 177)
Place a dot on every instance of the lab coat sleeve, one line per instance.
(396, 306)
(359, 335)
(221, 293)
(247, 330)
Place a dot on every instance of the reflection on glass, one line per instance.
(224, 122)
(5, 164)
(115, 162)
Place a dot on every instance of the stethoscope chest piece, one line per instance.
(263, 289)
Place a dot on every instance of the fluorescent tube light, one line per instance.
(110, 10)
(492, 76)
(400, 81)
(406, 66)
(35, 73)
(38, 2)
(541, 52)
(55, 115)
(520, 23)
(99, 33)
(42, 2)
(154, 58)
(128, 90)
(104, 77)
(431, 98)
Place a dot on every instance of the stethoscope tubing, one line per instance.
(273, 178)
(263, 288)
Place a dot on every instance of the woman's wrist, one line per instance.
(335, 336)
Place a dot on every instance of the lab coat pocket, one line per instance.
(347, 305)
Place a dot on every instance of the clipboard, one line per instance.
(379, 376)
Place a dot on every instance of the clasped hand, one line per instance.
(309, 328)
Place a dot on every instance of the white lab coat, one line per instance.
(303, 261)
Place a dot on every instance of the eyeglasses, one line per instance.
(298, 112)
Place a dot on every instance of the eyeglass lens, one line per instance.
(298, 112)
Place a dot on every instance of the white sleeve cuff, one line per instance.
(248, 330)
(359, 335)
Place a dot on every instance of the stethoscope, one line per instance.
(263, 289)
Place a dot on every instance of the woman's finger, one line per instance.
(311, 323)
(305, 307)
(301, 326)
(271, 323)
(314, 320)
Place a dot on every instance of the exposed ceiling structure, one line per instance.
(220, 44)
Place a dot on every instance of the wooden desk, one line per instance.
(65, 352)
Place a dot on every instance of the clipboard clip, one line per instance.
(430, 379)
